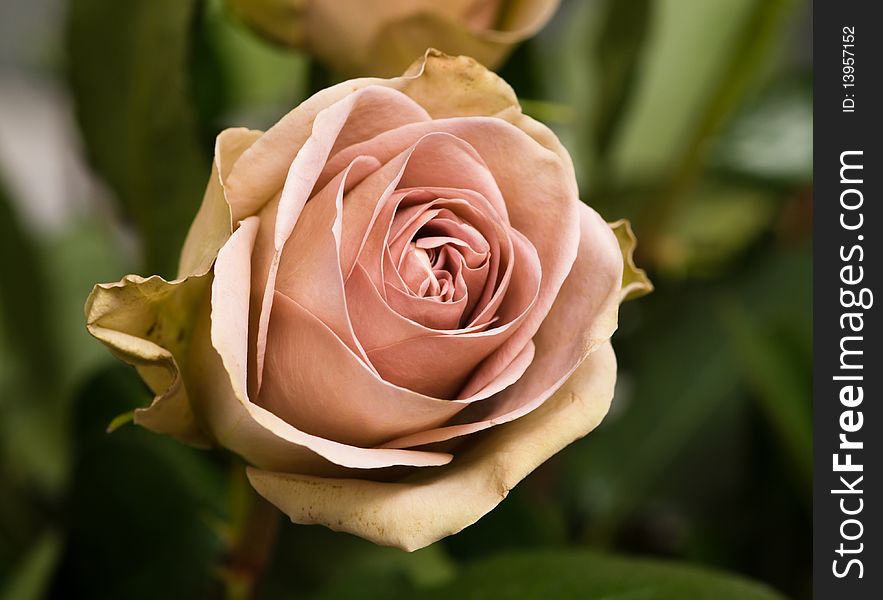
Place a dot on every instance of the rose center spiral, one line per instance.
(437, 261)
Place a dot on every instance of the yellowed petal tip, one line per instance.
(456, 86)
(144, 322)
(635, 282)
(436, 502)
(460, 86)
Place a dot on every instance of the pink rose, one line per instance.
(382, 37)
(392, 304)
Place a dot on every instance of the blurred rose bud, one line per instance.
(382, 37)
(392, 304)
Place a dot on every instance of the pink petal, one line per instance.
(584, 317)
(539, 190)
(427, 311)
(303, 172)
(218, 380)
(310, 272)
(414, 356)
(261, 171)
(348, 403)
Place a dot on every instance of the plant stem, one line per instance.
(254, 525)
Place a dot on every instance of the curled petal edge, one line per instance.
(635, 282)
(147, 322)
(142, 321)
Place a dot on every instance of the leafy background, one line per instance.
(691, 118)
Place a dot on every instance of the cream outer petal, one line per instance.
(143, 322)
(147, 322)
(214, 221)
(434, 503)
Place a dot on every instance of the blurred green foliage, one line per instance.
(691, 118)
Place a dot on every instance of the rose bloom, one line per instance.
(382, 37)
(392, 304)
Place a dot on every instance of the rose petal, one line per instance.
(348, 403)
(383, 36)
(459, 86)
(584, 317)
(486, 284)
(435, 503)
(145, 321)
(217, 374)
(310, 271)
(541, 199)
(416, 357)
(400, 40)
(328, 129)
(214, 221)
(635, 282)
(443, 86)
(463, 167)
(264, 167)
(437, 362)
(429, 311)
(446, 160)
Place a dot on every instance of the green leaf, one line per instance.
(618, 50)
(674, 377)
(24, 300)
(359, 570)
(390, 573)
(128, 73)
(771, 140)
(580, 574)
(595, 48)
(566, 45)
(44, 346)
(782, 387)
(767, 323)
(32, 575)
(259, 81)
(48, 348)
(120, 420)
(86, 252)
(140, 506)
(692, 76)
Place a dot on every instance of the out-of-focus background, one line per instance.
(691, 118)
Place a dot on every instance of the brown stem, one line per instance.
(253, 541)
